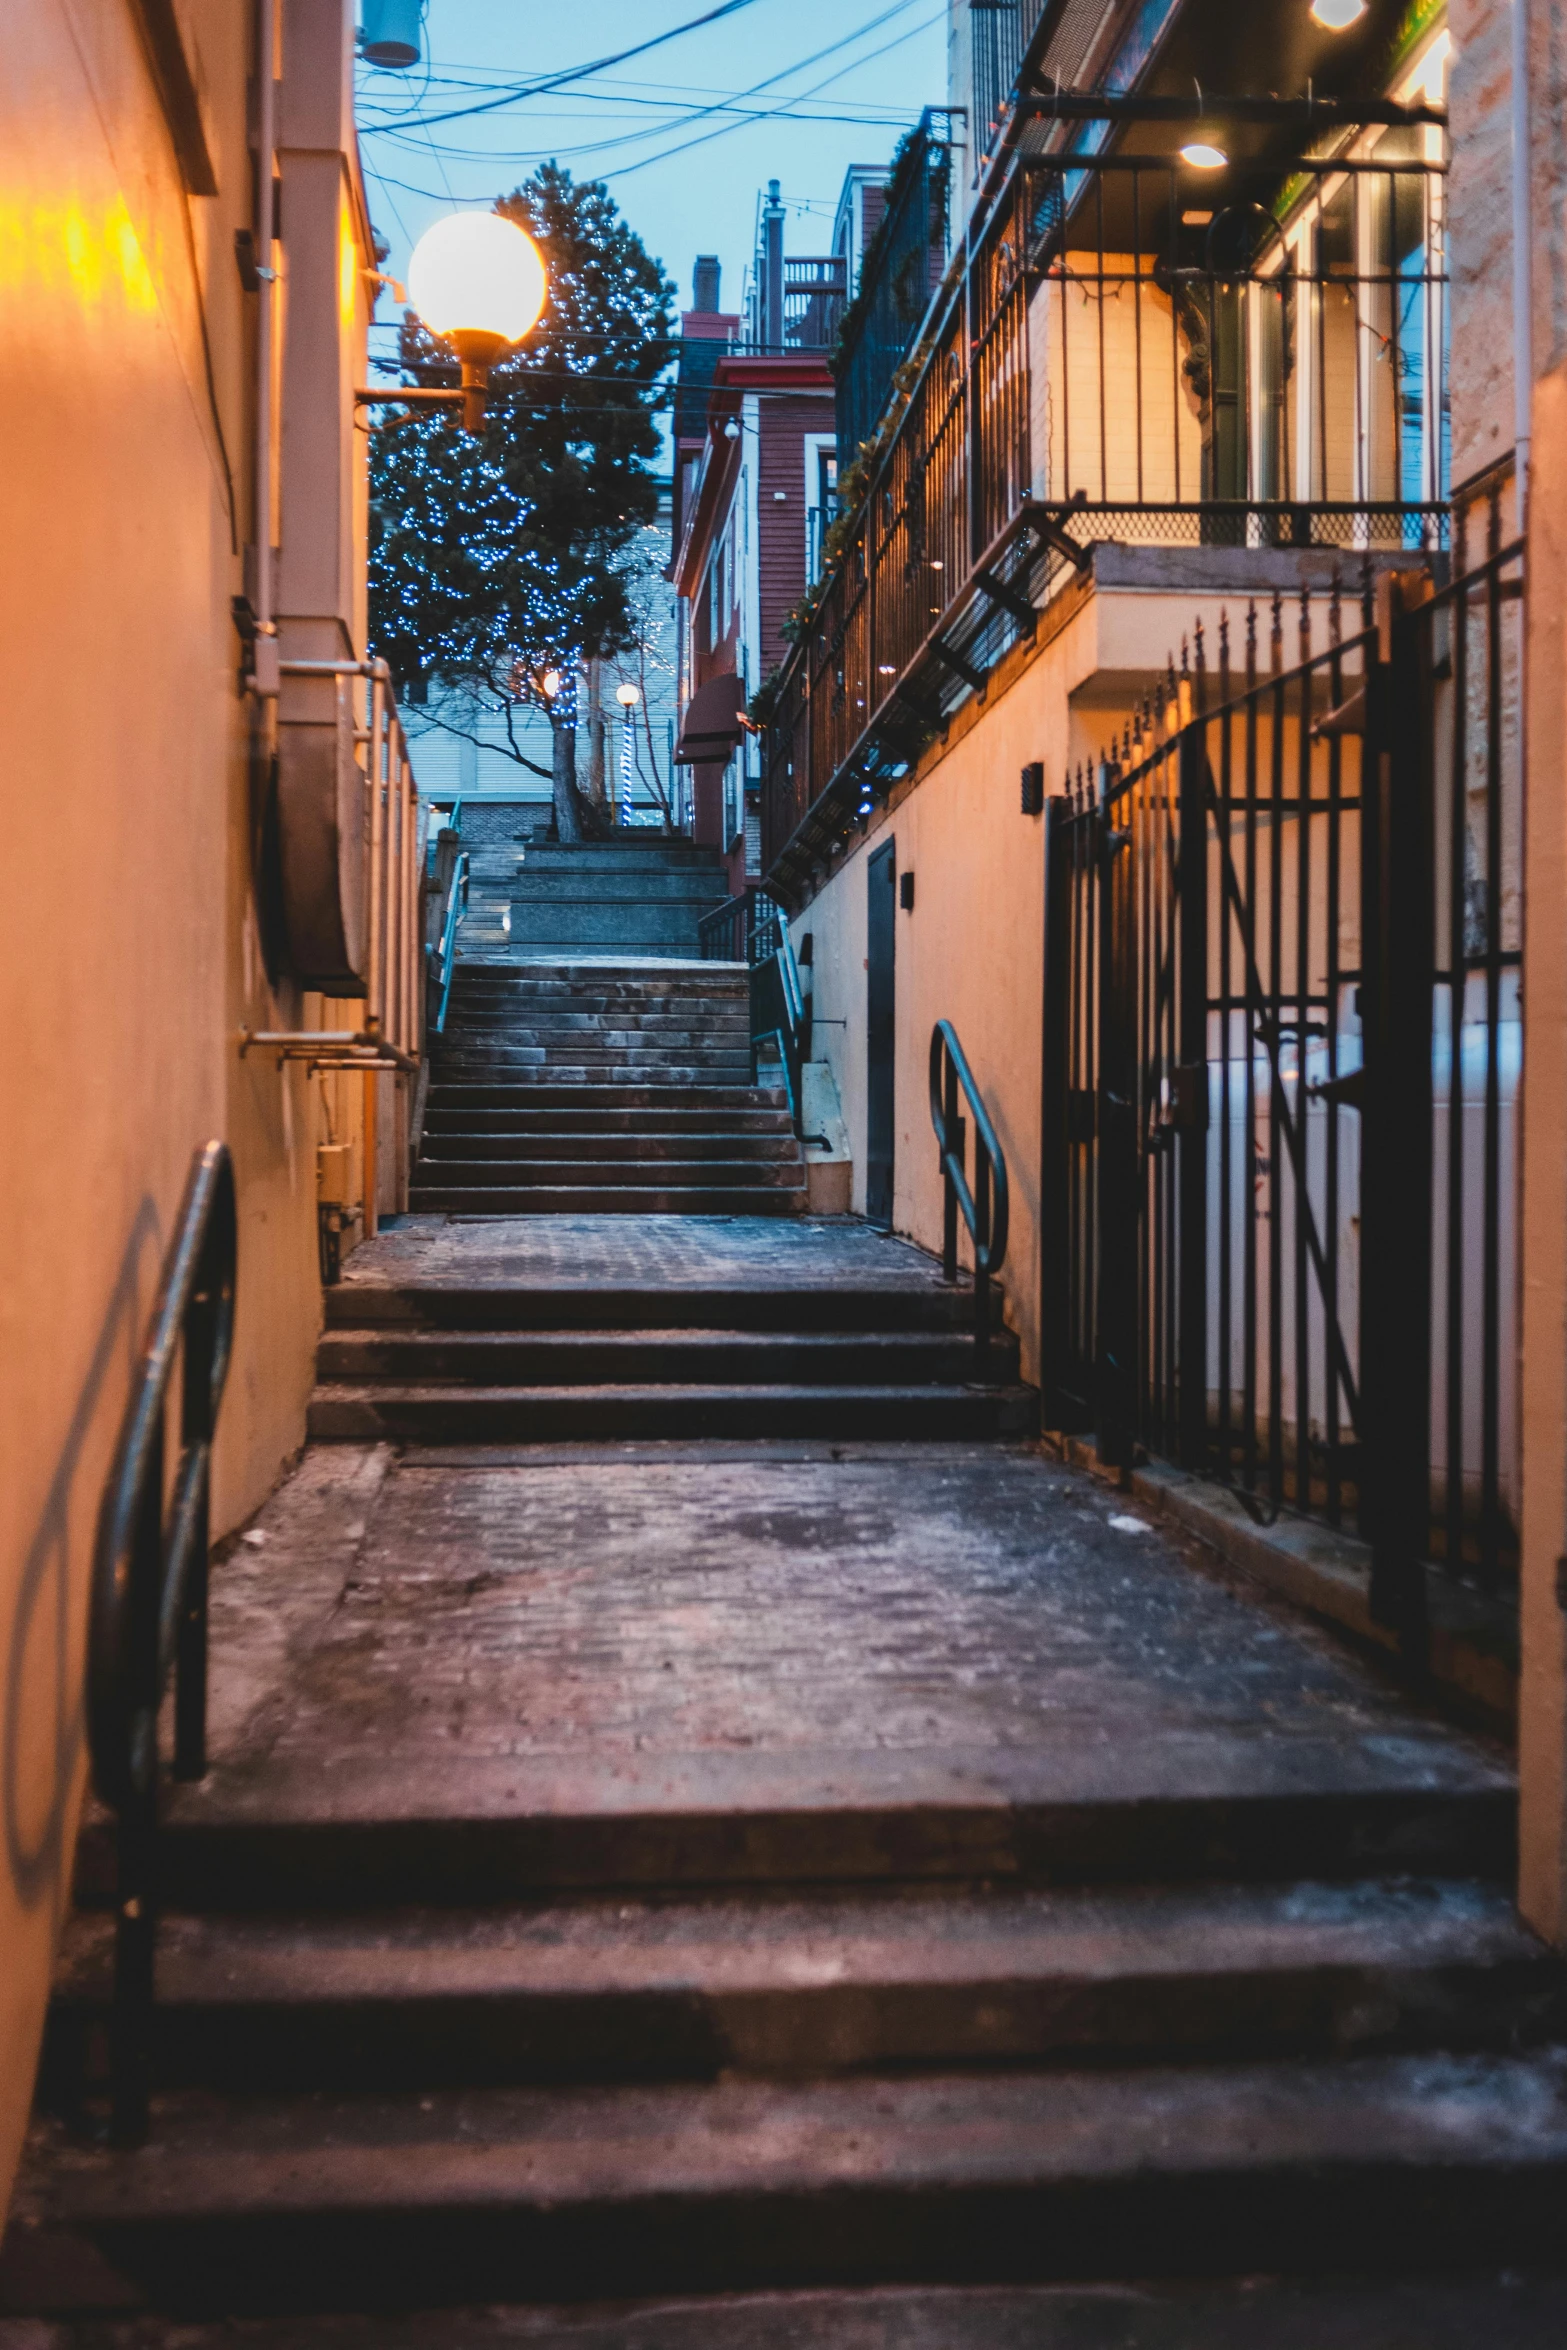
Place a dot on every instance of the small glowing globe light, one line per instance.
(550, 682)
(1203, 157)
(477, 281)
(627, 696)
(1336, 16)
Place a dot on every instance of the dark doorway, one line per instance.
(880, 937)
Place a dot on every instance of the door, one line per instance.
(880, 937)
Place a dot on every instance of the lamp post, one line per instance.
(477, 281)
(627, 696)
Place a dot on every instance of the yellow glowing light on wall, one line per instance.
(347, 267)
(90, 250)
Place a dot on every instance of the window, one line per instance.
(821, 498)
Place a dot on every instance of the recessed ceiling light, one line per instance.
(1202, 157)
(1336, 16)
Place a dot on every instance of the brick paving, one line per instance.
(617, 1602)
(633, 1251)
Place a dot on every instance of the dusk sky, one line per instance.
(793, 90)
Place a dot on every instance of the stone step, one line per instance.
(489, 1306)
(412, 1826)
(1503, 2311)
(611, 1034)
(593, 857)
(607, 1199)
(646, 1172)
(1376, 2163)
(616, 1988)
(709, 1358)
(542, 1097)
(635, 886)
(433, 1413)
(639, 1069)
(694, 973)
(577, 1012)
(609, 976)
(442, 1145)
(520, 1124)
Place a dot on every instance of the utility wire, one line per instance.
(577, 73)
(724, 128)
(728, 101)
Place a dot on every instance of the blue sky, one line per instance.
(632, 124)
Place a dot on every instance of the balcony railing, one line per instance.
(815, 292)
(897, 280)
(1114, 362)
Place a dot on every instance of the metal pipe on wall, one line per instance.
(1523, 297)
(264, 664)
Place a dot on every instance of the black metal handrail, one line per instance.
(446, 955)
(985, 1206)
(726, 931)
(149, 1596)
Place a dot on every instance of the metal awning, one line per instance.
(713, 723)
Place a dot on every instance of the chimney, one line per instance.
(704, 282)
(773, 270)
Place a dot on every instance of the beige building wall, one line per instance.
(133, 950)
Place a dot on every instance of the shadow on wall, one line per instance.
(35, 1851)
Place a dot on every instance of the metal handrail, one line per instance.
(985, 1207)
(456, 908)
(778, 1009)
(732, 924)
(149, 1596)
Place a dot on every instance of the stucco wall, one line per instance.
(133, 951)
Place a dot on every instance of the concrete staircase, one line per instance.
(485, 930)
(493, 1363)
(637, 895)
(432, 2043)
(581, 1087)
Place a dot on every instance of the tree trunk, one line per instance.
(568, 823)
(598, 791)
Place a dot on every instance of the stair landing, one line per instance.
(814, 1890)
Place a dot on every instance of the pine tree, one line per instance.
(497, 560)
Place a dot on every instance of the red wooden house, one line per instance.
(755, 468)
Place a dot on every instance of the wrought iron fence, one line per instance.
(1283, 1049)
(897, 281)
(1116, 363)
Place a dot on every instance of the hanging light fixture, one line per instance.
(1203, 153)
(477, 281)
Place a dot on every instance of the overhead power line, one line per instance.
(577, 73)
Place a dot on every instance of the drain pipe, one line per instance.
(265, 679)
(1523, 298)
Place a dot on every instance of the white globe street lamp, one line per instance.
(627, 696)
(477, 281)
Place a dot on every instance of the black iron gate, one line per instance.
(1282, 1051)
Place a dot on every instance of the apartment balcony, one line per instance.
(796, 303)
(1128, 378)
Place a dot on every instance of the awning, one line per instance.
(713, 723)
